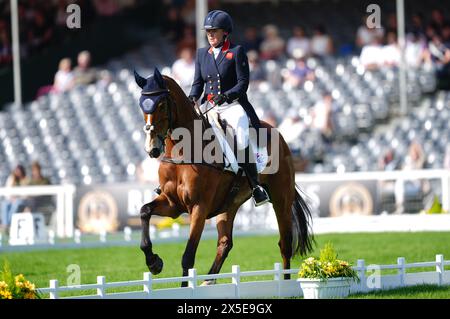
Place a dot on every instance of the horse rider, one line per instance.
(222, 72)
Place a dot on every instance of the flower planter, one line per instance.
(321, 289)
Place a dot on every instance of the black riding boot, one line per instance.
(259, 194)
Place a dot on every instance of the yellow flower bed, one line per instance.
(16, 287)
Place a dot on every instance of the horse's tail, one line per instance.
(303, 238)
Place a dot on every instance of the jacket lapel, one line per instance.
(212, 60)
(223, 52)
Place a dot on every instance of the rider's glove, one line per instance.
(193, 99)
(220, 99)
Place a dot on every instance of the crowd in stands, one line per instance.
(11, 205)
(43, 23)
(83, 74)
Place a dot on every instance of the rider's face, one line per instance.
(215, 36)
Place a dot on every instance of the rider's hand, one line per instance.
(219, 99)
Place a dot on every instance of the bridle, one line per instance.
(149, 127)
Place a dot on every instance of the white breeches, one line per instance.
(236, 117)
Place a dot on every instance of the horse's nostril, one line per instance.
(154, 153)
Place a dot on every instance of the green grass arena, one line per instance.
(251, 253)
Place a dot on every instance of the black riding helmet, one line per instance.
(218, 19)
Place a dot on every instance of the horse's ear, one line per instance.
(140, 80)
(159, 79)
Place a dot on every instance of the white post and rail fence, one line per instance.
(313, 184)
(371, 279)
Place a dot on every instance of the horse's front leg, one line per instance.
(224, 241)
(198, 218)
(160, 206)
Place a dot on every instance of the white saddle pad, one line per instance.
(231, 163)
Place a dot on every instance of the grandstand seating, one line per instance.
(94, 134)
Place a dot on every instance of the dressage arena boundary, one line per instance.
(278, 287)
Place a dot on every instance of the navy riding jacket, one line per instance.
(228, 74)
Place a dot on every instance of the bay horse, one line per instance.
(201, 190)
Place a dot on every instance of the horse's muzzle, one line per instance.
(154, 153)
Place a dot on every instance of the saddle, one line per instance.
(222, 130)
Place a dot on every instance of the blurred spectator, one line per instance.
(365, 35)
(391, 23)
(257, 72)
(371, 54)
(388, 161)
(292, 126)
(437, 20)
(36, 175)
(446, 35)
(440, 55)
(40, 33)
(252, 41)
(38, 203)
(415, 50)
(188, 40)
(322, 116)
(321, 42)
(188, 13)
(84, 74)
(300, 73)
(106, 7)
(391, 51)
(63, 79)
(13, 204)
(183, 69)
(299, 42)
(64, 76)
(410, 188)
(418, 27)
(272, 46)
(5, 44)
(105, 79)
(173, 25)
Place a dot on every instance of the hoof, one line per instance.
(208, 282)
(155, 264)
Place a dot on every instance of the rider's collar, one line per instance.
(224, 47)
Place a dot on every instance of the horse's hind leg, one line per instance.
(159, 206)
(282, 199)
(224, 241)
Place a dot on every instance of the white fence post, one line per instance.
(77, 236)
(192, 280)
(1, 240)
(148, 284)
(440, 268)
(236, 280)
(401, 270)
(278, 277)
(361, 264)
(103, 236)
(51, 237)
(127, 233)
(101, 289)
(54, 285)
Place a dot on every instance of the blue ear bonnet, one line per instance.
(153, 91)
(148, 103)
